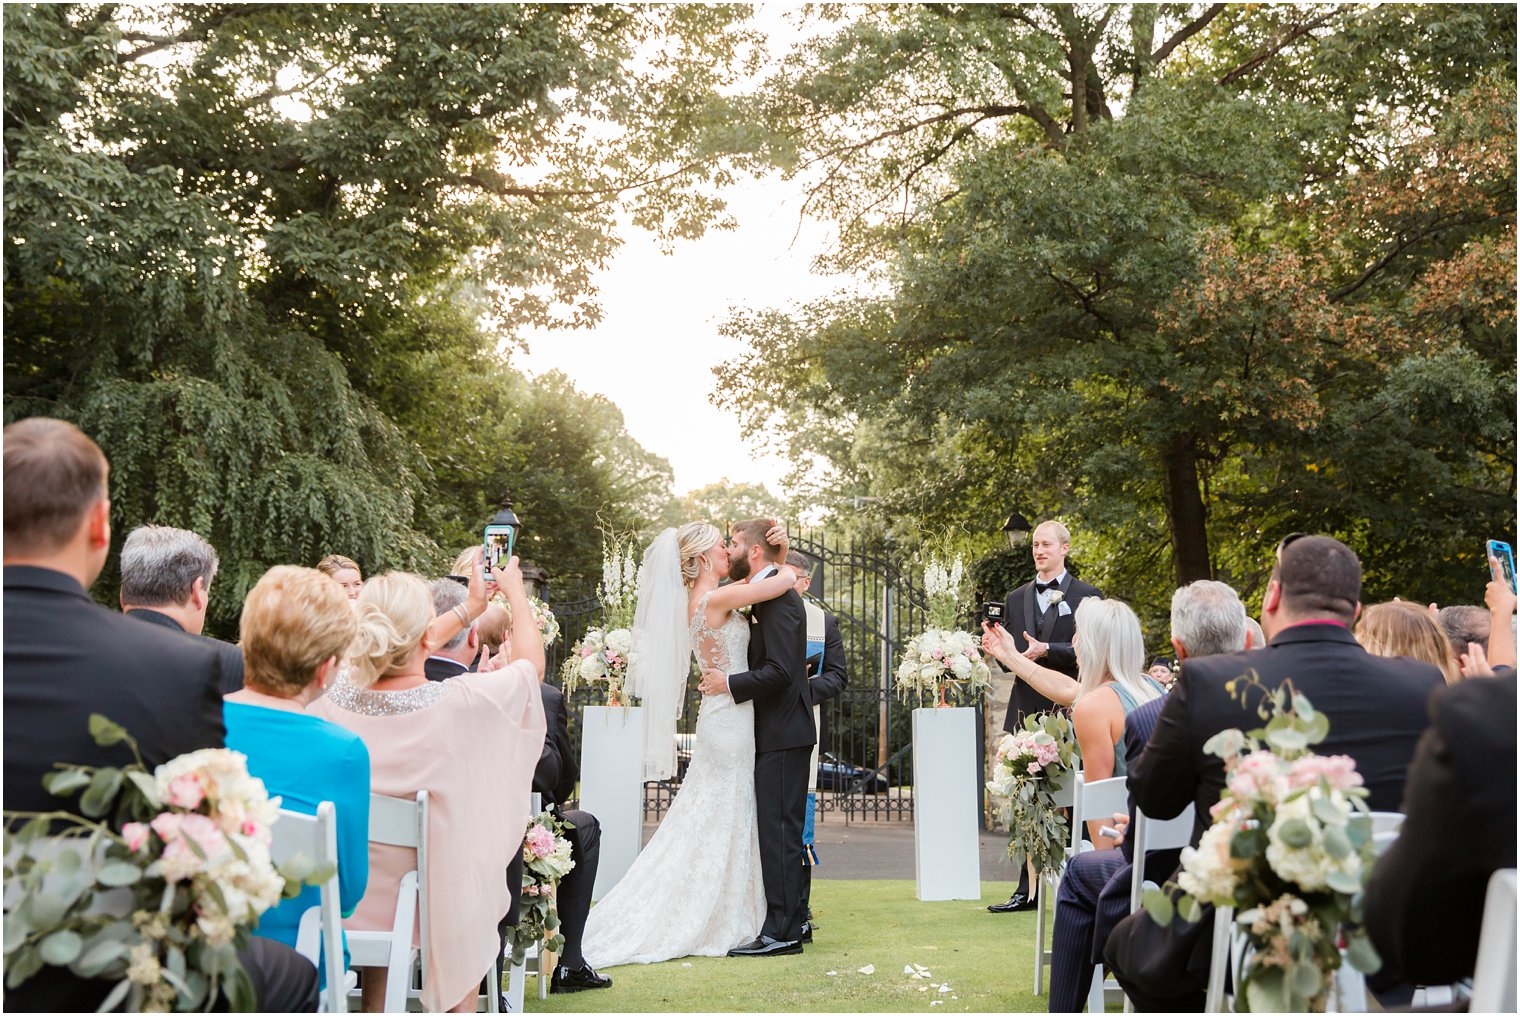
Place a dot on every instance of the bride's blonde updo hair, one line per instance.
(692, 541)
(395, 611)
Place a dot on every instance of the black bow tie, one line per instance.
(1041, 587)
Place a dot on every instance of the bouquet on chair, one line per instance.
(156, 884)
(1290, 849)
(546, 860)
(1031, 766)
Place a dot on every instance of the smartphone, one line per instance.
(992, 612)
(498, 546)
(1499, 549)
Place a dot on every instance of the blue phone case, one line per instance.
(1501, 550)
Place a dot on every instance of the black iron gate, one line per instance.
(865, 735)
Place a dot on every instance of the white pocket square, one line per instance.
(1063, 608)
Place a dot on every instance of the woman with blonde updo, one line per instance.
(472, 743)
(712, 826)
(1400, 628)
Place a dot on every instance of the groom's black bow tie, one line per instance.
(1041, 587)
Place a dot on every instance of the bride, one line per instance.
(695, 889)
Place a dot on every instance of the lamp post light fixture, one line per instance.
(1016, 530)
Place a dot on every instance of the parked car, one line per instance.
(834, 773)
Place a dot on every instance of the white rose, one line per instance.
(592, 668)
(960, 667)
(620, 640)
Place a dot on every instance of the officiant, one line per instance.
(1041, 616)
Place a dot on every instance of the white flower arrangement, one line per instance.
(600, 657)
(938, 662)
(195, 861)
(1290, 848)
(619, 587)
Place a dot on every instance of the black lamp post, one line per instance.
(1016, 529)
(504, 523)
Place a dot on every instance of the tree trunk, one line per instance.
(1185, 512)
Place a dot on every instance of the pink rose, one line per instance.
(1338, 770)
(205, 832)
(167, 824)
(1254, 776)
(185, 791)
(136, 834)
(540, 841)
(1034, 767)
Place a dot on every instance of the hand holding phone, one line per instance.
(1501, 562)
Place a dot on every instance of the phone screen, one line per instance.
(498, 546)
(1506, 557)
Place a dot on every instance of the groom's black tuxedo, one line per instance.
(777, 683)
(1021, 613)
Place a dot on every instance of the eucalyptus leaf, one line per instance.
(119, 873)
(1189, 909)
(96, 800)
(1295, 833)
(116, 997)
(98, 958)
(1307, 980)
(1362, 955)
(1336, 842)
(16, 928)
(105, 732)
(1343, 882)
(61, 948)
(1159, 905)
(21, 965)
(65, 782)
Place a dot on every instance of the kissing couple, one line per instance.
(723, 873)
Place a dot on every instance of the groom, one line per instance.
(784, 736)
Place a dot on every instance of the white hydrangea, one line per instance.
(592, 668)
(620, 641)
(1208, 872)
(1308, 866)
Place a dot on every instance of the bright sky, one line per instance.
(658, 340)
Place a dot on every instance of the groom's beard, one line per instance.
(738, 569)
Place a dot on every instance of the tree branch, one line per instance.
(1186, 32)
(1276, 46)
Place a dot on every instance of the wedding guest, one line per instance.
(166, 578)
(345, 572)
(1424, 903)
(459, 653)
(491, 628)
(1257, 637)
(827, 678)
(296, 627)
(1376, 709)
(1464, 624)
(1500, 598)
(472, 742)
(1041, 614)
(66, 657)
(1111, 684)
(1401, 628)
(1207, 619)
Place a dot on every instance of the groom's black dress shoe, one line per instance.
(767, 946)
(579, 979)
(807, 931)
(1016, 902)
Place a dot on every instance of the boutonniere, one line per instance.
(748, 611)
(1056, 596)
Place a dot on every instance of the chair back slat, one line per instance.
(1494, 976)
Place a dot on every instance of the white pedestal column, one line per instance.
(612, 786)
(946, 852)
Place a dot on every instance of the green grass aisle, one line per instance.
(986, 959)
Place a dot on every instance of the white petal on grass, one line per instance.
(869, 968)
(832, 973)
(943, 988)
(685, 964)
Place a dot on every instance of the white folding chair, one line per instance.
(318, 937)
(1494, 976)
(402, 823)
(1145, 835)
(1096, 800)
(517, 975)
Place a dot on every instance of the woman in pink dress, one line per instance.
(472, 743)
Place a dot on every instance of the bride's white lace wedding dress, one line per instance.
(695, 889)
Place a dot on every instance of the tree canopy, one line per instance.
(1187, 276)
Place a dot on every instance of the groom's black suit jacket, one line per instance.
(777, 679)
(1021, 613)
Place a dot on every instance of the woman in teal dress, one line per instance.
(297, 625)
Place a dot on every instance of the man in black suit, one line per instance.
(826, 679)
(784, 737)
(1425, 899)
(1376, 707)
(555, 780)
(458, 655)
(67, 657)
(166, 578)
(1207, 619)
(1042, 617)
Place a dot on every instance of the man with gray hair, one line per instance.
(457, 655)
(166, 578)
